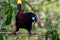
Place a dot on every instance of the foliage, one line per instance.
(53, 33)
(11, 9)
(48, 11)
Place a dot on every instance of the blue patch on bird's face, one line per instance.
(33, 18)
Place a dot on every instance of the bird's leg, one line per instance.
(29, 32)
(16, 30)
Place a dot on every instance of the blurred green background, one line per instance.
(48, 12)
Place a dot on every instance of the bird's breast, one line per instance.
(21, 15)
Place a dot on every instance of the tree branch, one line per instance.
(23, 33)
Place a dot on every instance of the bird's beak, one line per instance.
(19, 1)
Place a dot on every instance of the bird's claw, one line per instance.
(14, 33)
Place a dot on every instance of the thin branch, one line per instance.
(17, 33)
(39, 3)
(24, 34)
(31, 4)
(21, 33)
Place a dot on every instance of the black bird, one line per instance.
(24, 20)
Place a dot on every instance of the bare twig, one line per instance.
(35, 34)
(17, 33)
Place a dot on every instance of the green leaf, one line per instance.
(4, 3)
(5, 36)
(47, 35)
(9, 16)
(7, 12)
(1, 36)
(54, 34)
(7, 1)
(8, 21)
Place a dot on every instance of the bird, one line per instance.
(23, 19)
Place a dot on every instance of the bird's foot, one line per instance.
(30, 34)
(14, 33)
